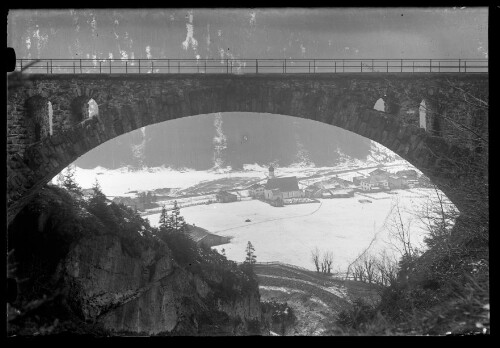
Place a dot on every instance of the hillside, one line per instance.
(229, 139)
(316, 299)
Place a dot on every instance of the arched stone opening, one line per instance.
(422, 114)
(379, 105)
(37, 119)
(51, 120)
(93, 108)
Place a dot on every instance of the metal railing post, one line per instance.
(372, 66)
(309, 64)
(126, 66)
(459, 66)
(100, 69)
(227, 66)
(387, 64)
(47, 67)
(335, 66)
(74, 68)
(361, 65)
(205, 65)
(465, 66)
(80, 66)
(314, 66)
(256, 66)
(51, 66)
(21, 65)
(285, 65)
(178, 66)
(401, 65)
(413, 66)
(152, 67)
(439, 66)
(430, 65)
(139, 66)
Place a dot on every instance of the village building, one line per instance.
(281, 188)
(396, 182)
(374, 184)
(338, 183)
(225, 197)
(311, 190)
(408, 174)
(357, 180)
(256, 191)
(287, 186)
(379, 174)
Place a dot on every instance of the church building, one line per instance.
(281, 188)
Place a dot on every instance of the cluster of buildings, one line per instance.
(380, 179)
(278, 191)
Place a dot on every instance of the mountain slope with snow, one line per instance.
(229, 139)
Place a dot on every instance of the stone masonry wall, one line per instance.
(128, 102)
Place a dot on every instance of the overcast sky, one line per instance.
(251, 33)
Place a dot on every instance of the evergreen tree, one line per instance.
(251, 257)
(164, 219)
(69, 183)
(176, 220)
(98, 194)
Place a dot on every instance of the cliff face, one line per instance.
(150, 294)
(120, 284)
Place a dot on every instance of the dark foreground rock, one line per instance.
(76, 277)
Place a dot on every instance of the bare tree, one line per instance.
(387, 269)
(315, 258)
(327, 262)
(400, 232)
(368, 266)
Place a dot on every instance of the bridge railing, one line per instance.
(250, 66)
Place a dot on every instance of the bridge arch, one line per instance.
(128, 102)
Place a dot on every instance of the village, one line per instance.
(277, 191)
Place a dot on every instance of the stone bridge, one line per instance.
(49, 125)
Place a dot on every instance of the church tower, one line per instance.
(271, 172)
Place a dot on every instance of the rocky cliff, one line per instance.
(120, 284)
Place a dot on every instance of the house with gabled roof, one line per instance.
(225, 197)
(379, 174)
(287, 187)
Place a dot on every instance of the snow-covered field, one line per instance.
(288, 234)
(344, 226)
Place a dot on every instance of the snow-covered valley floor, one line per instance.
(288, 234)
(344, 226)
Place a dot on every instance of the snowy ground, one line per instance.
(344, 226)
(288, 234)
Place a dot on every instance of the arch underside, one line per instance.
(147, 103)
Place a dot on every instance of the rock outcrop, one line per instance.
(148, 295)
(123, 285)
